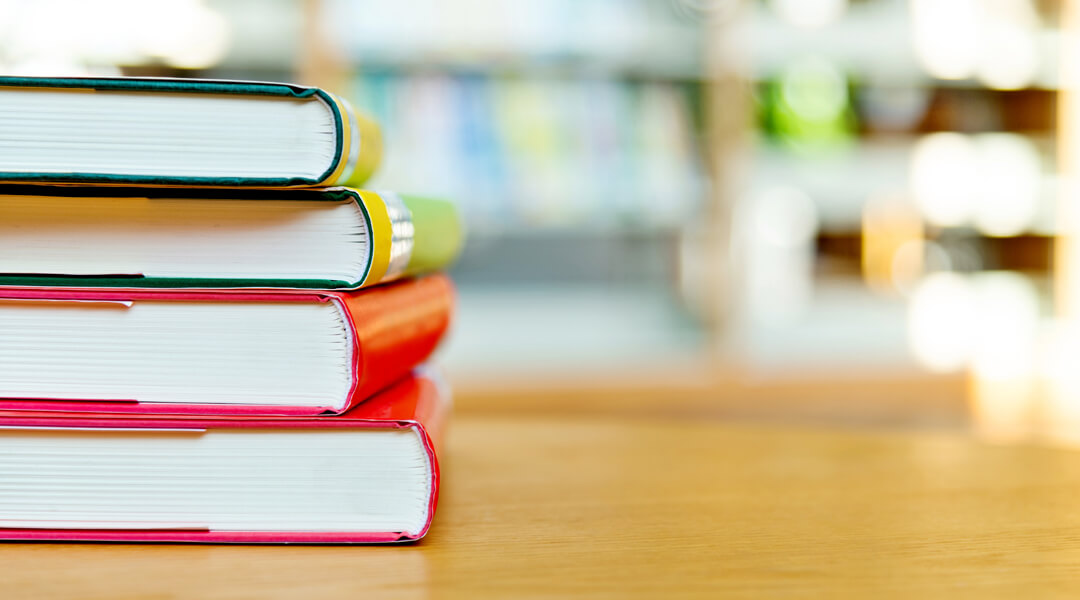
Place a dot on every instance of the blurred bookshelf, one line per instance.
(572, 135)
(900, 148)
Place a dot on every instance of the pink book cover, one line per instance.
(418, 401)
(394, 328)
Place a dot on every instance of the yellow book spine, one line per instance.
(361, 147)
(410, 235)
(382, 236)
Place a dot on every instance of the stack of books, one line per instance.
(204, 335)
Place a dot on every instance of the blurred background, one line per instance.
(848, 211)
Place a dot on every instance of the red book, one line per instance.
(367, 476)
(284, 352)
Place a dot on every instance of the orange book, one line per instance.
(287, 352)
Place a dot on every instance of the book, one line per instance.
(214, 352)
(180, 132)
(369, 475)
(144, 237)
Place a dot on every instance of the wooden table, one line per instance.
(540, 506)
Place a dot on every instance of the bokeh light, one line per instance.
(809, 13)
(944, 176)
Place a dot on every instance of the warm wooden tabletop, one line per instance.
(538, 506)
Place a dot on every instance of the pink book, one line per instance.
(367, 476)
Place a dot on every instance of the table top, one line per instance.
(619, 506)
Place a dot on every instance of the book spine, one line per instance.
(410, 235)
(395, 328)
(364, 149)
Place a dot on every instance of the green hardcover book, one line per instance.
(180, 132)
(147, 237)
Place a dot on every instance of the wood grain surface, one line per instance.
(628, 507)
